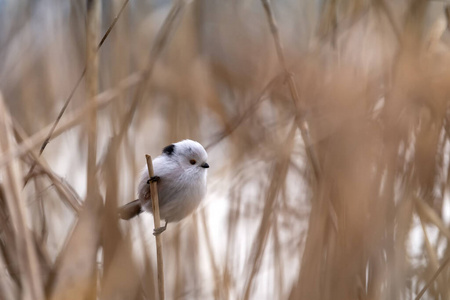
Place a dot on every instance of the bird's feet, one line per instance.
(159, 230)
(153, 179)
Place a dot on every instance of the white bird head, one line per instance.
(190, 155)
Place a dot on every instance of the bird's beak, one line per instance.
(205, 165)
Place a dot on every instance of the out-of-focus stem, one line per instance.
(31, 281)
(72, 92)
(92, 33)
(71, 120)
(301, 122)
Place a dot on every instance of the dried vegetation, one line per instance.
(327, 128)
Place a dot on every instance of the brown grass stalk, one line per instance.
(272, 84)
(278, 177)
(433, 278)
(72, 120)
(147, 281)
(65, 281)
(432, 255)
(427, 212)
(301, 122)
(73, 90)
(64, 189)
(93, 26)
(157, 222)
(160, 42)
(323, 121)
(8, 291)
(31, 282)
(75, 87)
(218, 287)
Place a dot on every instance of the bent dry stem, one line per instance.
(157, 222)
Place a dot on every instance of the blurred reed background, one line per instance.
(327, 129)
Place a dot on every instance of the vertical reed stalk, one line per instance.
(157, 221)
(92, 36)
(75, 87)
(301, 122)
(31, 282)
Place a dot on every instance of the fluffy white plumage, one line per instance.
(182, 170)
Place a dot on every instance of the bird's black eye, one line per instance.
(192, 161)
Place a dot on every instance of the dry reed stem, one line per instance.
(45, 262)
(110, 28)
(73, 90)
(66, 281)
(93, 27)
(383, 6)
(160, 42)
(93, 200)
(8, 249)
(7, 290)
(278, 276)
(218, 288)
(73, 273)
(328, 22)
(147, 281)
(425, 210)
(112, 237)
(299, 116)
(278, 178)
(157, 222)
(384, 270)
(63, 188)
(430, 282)
(433, 258)
(72, 120)
(31, 282)
(142, 77)
(117, 255)
(122, 279)
(248, 112)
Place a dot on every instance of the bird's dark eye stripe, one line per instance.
(192, 161)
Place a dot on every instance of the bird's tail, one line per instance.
(130, 210)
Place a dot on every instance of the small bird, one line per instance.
(181, 172)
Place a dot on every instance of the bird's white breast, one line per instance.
(179, 191)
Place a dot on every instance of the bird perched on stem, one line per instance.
(181, 172)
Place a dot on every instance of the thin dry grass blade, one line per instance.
(72, 120)
(160, 42)
(122, 279)
(117, 249)
(76, 270)
(434, 261)
(147, 280)
(73, 274)
(274, 82)
(93, 27)
(278, 178)
(218, 288)
(32, 286)
(8, 247)
(364, 82)
(63, 188)
(427, 212)
(6, 286)
(72, 92)
(300, 113)
(430, 282)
